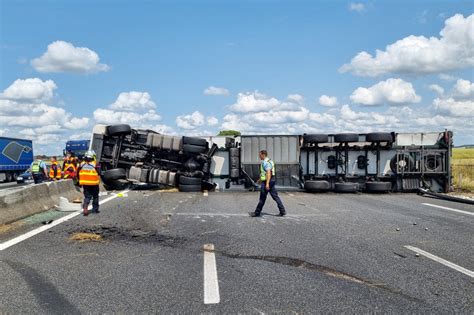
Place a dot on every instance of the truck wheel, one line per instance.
(191, 148)
(379, 137)
(119, 184)
(433, 163)
(347, 187)
(190, 188)
(186, 180)
(378, 186)
(195, 141)
(114, 174)
(316, 185)
(405, 162)
(315, 138)
(346, 137)
(118, 130)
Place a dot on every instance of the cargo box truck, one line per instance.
(16, 156)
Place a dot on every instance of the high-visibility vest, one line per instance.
(55, 165)
(88, 175)
(35, 167)
(69, 170)
(263, 173)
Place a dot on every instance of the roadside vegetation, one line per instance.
(463, 169)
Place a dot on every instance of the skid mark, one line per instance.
(299, 263)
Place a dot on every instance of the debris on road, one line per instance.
(66, 206)
(84, 237)
(398, 229)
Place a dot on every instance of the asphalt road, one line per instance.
(333, 253)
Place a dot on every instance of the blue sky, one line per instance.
(256, 53)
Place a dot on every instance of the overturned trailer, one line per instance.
(346, 162)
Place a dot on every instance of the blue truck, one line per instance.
(77, 147)
(16, 156)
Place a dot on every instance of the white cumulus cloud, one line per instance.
(190, 121)
(32, 89)
(296, 98)
(62, 56)
(254, 102)
(325, 100)
(355, 6)
(212, 121)
(132, 101)
(437, 89)
(419, 55)
(464, 89)
(212, 90)
(391, 91)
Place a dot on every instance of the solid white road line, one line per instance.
(211, 284)
(442, 261)
(450, 209)
(36, 231)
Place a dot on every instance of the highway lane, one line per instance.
(332, 253)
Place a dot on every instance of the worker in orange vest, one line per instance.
(89, 179)
(68, 160)
(55, 169)
(69, 171)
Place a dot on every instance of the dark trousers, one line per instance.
(263, 197)
(38, 178)
(91, 192)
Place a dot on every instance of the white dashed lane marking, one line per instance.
(449, 209)
(442, 261)
(211, 282)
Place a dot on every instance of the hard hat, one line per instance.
(90, 154)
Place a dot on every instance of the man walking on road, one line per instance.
(267, 185)
(89, 179)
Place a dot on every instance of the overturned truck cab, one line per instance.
(346, 162)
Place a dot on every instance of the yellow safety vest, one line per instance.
(88, 175)
(263, 173)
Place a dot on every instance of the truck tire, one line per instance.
(346, 137)
(379, 137)
(315, 138)
(118, 130)
(191, 148)
(404, 160)
(190, 188)
(114, 174)
(195, 141)
(378, 186)
(347, 187)
(186, 180)
(316, 185)
(433, 163)
(119, 184)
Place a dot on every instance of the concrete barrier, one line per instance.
(28, 200)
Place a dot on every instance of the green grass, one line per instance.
(462, 164)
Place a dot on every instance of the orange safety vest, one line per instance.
(55, 165)
(88, 175)
(69, 170)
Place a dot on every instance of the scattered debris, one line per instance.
(426, 229)
(103, 193)
(398, 229)
(417, 255)
(84, 237)
(414, 223)
(77, 200)
(66, 206)
(112, 233)
(47, 222)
